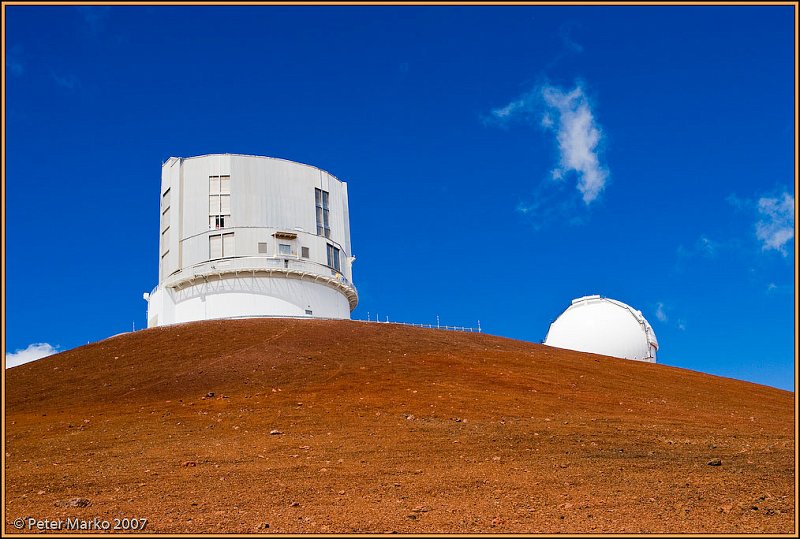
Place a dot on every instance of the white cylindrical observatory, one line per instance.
(248, 236)
(604, 326)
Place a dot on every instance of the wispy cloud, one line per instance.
(522, 109)
(578, 136)
(665, 314)
(702, 246)
(706, 246)
(70, 82)
(774, 288)
(94, 16)
(31, 353)
(661, 314)
(567, 114)
(565, 34)
(550, 202)
(16, 66)
(774, 214)
(775, 227)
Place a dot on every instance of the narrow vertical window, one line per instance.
(165, 240)
(164, 261)
(325, 212)
(219, 201)
(228, 247)
(333, 258)
(165, 219)
(321, 199)
(165, 223)
(214, 247)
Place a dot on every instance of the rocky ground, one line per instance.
(304, 426)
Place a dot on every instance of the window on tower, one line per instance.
(221, 246)
(333, 258)
(321, 199)
(219, 201)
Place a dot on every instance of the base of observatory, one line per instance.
(242, 296)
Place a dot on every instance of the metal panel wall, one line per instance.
(267, 195)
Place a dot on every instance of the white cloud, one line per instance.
(508, 110)
(31, 353)
(578, 136)
(661, 313)
(522, 108)
(775, 228)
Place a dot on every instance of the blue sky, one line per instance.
(500, 161)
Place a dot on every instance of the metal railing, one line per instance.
(429, 326)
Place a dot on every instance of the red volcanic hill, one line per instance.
(312, 426)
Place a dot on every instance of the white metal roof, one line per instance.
(604, 326)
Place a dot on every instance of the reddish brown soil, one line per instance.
(389, 428)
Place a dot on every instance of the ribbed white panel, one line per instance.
(165, 241)
(215, 247)
(259, 197)
(228, 246)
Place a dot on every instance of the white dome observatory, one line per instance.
(604, 326)
(245, 236)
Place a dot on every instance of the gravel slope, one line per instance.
(338, 426)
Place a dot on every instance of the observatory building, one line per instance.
(604, 326)
(248, 236)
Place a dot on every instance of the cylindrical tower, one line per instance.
(245, 236)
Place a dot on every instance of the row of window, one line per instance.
(164, 228)
(223, 246)
(219, 205)
(323, 222)
(219, 201)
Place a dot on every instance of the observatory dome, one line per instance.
(246, 236)
(604, 326)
